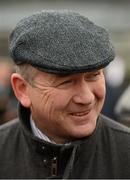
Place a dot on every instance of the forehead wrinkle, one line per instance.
(50, 80)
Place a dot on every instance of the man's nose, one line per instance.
(83, 94)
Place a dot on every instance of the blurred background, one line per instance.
(114, 15)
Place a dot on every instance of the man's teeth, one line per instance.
(80, 114)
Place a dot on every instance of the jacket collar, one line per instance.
(24, 115)
(69, 153)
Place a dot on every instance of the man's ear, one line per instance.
(20, 88)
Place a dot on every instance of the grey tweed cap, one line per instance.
(60, 42)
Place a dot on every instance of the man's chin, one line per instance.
(83, 131)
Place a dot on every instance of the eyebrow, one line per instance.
(63, 75)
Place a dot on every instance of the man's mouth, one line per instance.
(80, 113)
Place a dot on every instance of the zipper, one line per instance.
(54, 167)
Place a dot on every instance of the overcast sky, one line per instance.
(107, 14)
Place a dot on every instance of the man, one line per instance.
(60, 85)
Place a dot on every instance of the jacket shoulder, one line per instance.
(8, 130)
(114, 126)
(115, 133)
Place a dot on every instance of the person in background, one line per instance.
(115, 75)
(7, 110)
(122, 107)
(59, 82)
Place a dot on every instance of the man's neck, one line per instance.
(38, 133)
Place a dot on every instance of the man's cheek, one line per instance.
(101, 92)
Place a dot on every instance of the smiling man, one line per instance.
(60, 85)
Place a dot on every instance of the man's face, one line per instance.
(66, 107)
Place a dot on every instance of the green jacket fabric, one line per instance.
(104, 154)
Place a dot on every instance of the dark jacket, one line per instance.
(104, 154)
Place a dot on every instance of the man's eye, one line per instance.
(66, 82)
(96, 74)
(93, 76)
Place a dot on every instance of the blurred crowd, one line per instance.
(116, 106)
(8, 102)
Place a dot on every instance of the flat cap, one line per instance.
(60, 42)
